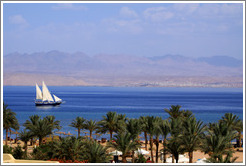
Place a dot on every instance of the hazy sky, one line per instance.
(193, 30)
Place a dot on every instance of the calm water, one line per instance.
(208, 104)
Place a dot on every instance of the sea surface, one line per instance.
(207, 104)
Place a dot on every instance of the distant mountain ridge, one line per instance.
(110, 69)
(222, 61)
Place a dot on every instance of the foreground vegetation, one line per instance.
(181, 133)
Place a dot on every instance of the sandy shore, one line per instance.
(196, 154)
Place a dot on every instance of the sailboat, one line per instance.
(45, 97)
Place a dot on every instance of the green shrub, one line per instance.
(7, 149)
(43, 152)
(140, 159)
(18, 153)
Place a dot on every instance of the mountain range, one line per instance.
(74, 69)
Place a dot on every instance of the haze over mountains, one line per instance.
(59, 68)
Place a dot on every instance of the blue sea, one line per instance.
(207, 104)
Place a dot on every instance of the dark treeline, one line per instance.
(180, 133)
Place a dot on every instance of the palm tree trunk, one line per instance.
(25, 149)
(15, 138)
(240, 143)
(91, 135)
(40, 141)
(157, 149)
(190, 157)
(6, 140)
(133, 156)
(164, 150)
(78, 132)
(146, 140)
(151, 148)
(111, 133)
(177, 160)
(124, 158)
(31, 142)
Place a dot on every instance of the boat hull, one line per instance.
(46, 104)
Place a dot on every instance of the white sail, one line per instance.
(46, 93)
(57, 98)
(38, 92)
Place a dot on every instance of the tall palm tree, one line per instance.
(174, 145)
(157, 133)
(230, 120)
(32, 122)
(121, 124)
(91, 125)
(41, 129)
(187, 114)
(233, 123)
(109, 123)
(193, 132)
(78, 123)
(123, 143)
(9, 121)
(95, 152)
(54, 123)
(133, 127)
(151, 124)
(165, 130)
(25, 136)
(239, 129)
(217, 141)
(144, 123)
(174, 111)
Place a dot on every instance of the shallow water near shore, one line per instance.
(207, 104)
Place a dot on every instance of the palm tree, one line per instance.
(192, 134)
(78, 123)
(32, 122)
(95, 152)
(157, 133)
(109, 123)
(174, 111)
(41, 129)
(124, 144)
(217, 141)
(230, 120)
(144, 124)
(174, 145)
(121, 124)
(9, 121)
(165, 130)
(187, 114)
(25, 136)
(133, 127)
(91, 126)
(151, 122)
(69, 148)
(239, 129)
(54, 123)
(227, 159)
(233, 123)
